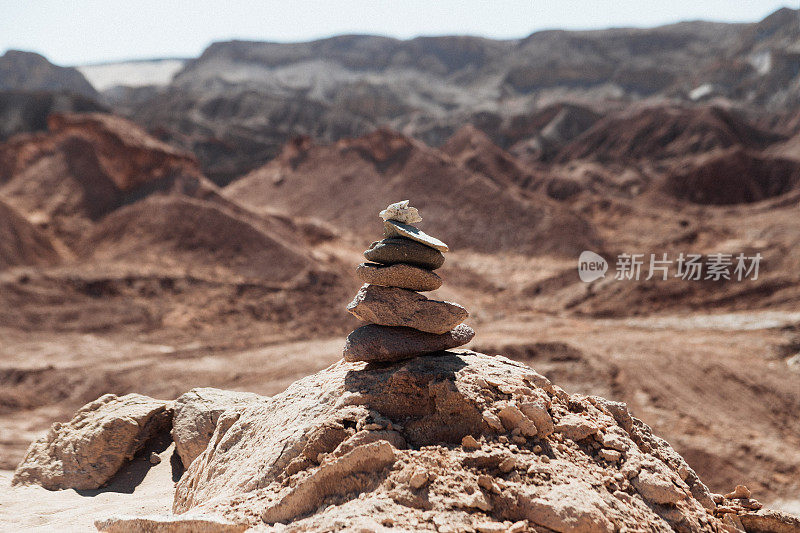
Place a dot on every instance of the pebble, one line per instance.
(492, 421)
(612, 456)
(418, 479)
(739, 492)
(485, 482)
(469, 443)
(401, 212)
(507, 464)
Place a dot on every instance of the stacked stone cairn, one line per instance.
(402, 323)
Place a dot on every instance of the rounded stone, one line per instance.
(390, 306)
(374, 343)
(401, 250)
(400, 275)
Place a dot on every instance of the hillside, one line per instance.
(27, 71)
(87, 165)
(345, 183)
(21, 243)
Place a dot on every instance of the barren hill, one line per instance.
(346, 182)
(665, 131)
(21, 243)
(27, 111)
(179, 231)
(86, 166)
(28, 71)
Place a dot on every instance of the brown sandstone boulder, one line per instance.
(87, 451)
(196, 415)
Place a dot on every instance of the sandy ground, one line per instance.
(138, 490)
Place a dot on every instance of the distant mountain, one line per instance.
(237, 103)
(27, 71)
(659, 132)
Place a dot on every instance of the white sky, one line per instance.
(74, 32)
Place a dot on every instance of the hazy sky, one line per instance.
(74, 32)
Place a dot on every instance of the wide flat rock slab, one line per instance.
(401, 250)
(374, 343)
(393, 228)
(399, 275)
(391, 306)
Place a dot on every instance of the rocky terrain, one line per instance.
(453, 441)
(204, 232)
(237, 103)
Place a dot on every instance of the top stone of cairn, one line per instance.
(397, 220)
(401, 212)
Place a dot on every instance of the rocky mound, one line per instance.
(22, 243)
(345, 182)
(473, 149)
(734, 176)
(29, 71)
(86, 166)
(540, 135)
(451, 441)
(663, 132)
(180, 231)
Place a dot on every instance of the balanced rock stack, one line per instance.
(402, 322)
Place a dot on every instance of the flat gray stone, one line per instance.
(374, 343)
(399, 275)
(390, 306)
(401, 250)
(393, 228)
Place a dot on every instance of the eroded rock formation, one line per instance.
(452, 441)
